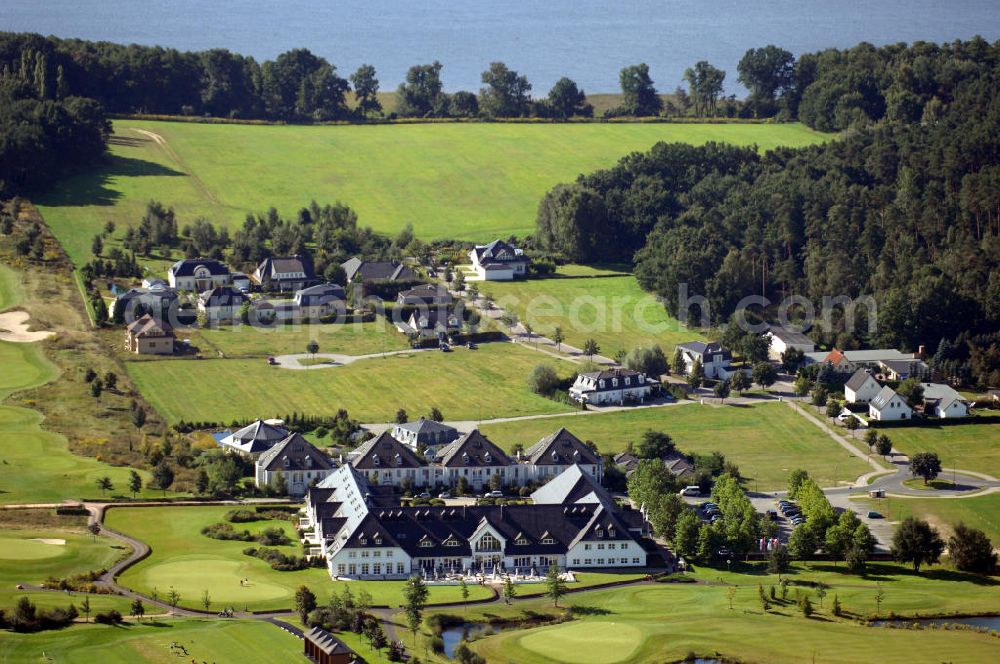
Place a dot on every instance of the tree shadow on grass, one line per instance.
(92, 187)
(589, 611)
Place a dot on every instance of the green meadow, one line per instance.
(972, 444)
(371, 390)
(473, 181)
(766, 440)
(587, 303)
(378, 336)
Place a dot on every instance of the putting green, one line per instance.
(29, 549)
(590, 642)
(191, 576)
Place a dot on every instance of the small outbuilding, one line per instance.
(323, 647)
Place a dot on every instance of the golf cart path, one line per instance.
(294, 361)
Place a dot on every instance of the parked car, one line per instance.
(875, 515)
(445, 348)
(723, 552)
(693, 490)
(772, 515)
(425, 494)
(494, 494)
(444, 494)
(471, 346)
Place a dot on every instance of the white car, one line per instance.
(494, 494)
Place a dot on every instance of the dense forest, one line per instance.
(906, 210)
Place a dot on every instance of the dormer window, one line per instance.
(451, 541)
(399, 460)
(426, 543)
(611, 531)
(363, 541)
(548, 540)
(521, 541)
(555, 455)
(378, 540)
(600, 383)
(488, 458)
(309, 462)
(287, 463)
(614, 382)
(628, 380)
(599, 533)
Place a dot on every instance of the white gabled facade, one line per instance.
(861, 388)
(888, 406)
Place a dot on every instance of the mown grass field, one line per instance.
(221, 642)
(970, 446)
(378, 336)
(37, 465)
(665, 622)
(767, 440)
(607, 306)
(464, 385)
(472, 181)
(192, 563)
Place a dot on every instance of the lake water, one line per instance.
(989, 622)
(587, 40)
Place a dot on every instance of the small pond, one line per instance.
(455, 634)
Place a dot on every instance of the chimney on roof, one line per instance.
(921, 352)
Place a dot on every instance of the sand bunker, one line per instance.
(14, 327)
(51, 540)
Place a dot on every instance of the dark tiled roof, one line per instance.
(320, 294)
(560, 449)
(187, 266)
(857, 380)
(790, 336)
(425, 426)
(327, 642)
(147, 326)
(706, 349)
(377, 270)
(223, 296)
(273, 266)
(299, 453)
(385, 452)
(258, 436)
(473, 449)
(498, 251)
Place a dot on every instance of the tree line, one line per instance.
(45, 129)
(906, 211)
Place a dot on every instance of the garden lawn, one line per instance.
(378, 336)
(982, 512)
(473, 181)
(464, 385)
(766, 440)
(665, 622)
(191, 563)
(221, 642)
(609, 308)
(973, 445)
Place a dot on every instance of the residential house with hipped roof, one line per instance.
(782, 339)
(222, 304)
(424, 434)
(148, 336)
(285, 273)
(254, 439)
(944, 401)
(357, 269)
(295, 460)
(198, 274)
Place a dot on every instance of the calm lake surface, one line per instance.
(586, 40)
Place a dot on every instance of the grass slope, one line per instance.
(470, 181)
(766, 440)
(592, 304)
(973, 446)
(190, 562)
(371, 390)
(655, 623)
(221, 642)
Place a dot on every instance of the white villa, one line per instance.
(612, 386)
(782, 339)
(498, 261)
(297, 461)
(943, 401)
(715, 358)
(198, 274)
